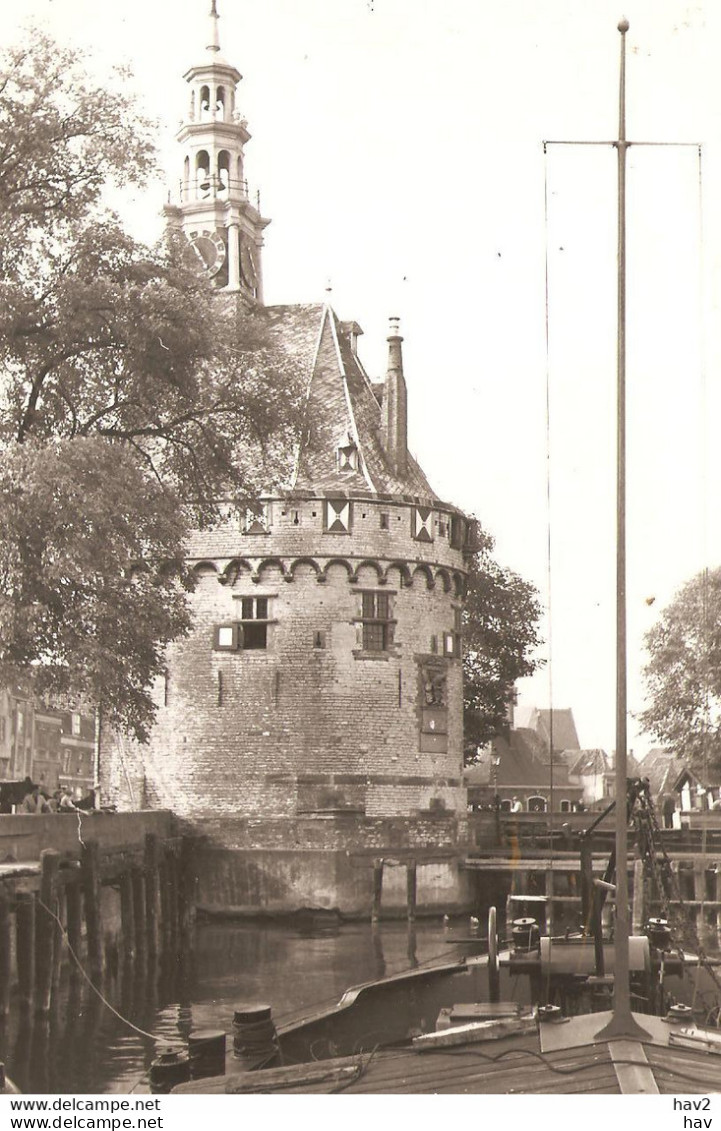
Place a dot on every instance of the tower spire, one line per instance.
(214, 44)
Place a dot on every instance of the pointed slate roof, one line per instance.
(565, 736)
(341, 404)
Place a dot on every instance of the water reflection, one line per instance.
(85, 1048)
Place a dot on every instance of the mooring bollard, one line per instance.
(206, 1049)
(171, 1067)
(255, 1040)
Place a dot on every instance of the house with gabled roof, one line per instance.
(516, 766)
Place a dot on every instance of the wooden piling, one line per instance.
(186, 890)
(46, 928)
(91, 901)
(377, 890)
(137, 880)
(25, 948)
(127, 915)
(5, 949)
(549, 901)
(73, 918)
(151, 866)
(411, 887)
(171, 895)
(586, 880)
(59, 942)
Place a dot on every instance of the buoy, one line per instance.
(206, 1050)
(171, 1067)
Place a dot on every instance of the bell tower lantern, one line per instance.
(215, 212)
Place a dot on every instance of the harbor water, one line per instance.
(84, 1047)
(89, 1045)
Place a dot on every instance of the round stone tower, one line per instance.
(312, 721)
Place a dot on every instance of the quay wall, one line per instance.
(274, 867)
(23, 836)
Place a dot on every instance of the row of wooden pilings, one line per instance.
(63, 918)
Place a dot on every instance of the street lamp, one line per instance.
(495, 763)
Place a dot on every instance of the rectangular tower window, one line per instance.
(376, 621)
(254, 622)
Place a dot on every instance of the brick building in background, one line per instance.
(50, 746)
(313, 718)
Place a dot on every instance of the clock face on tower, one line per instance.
(205, 253)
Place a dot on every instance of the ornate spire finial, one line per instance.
(214, 44)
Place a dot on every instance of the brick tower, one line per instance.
(312, 721)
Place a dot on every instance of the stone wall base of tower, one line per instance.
(330, 864)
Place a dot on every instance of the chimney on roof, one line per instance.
(352, 331)
(395, 406)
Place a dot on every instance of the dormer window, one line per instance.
(348, 458)
(347, 454)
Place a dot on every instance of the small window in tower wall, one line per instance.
(385, 520)
(376, 621)
(457, 532)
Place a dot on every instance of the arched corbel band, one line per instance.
(451, 581)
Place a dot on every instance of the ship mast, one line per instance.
(622, 1023)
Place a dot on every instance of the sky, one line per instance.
(398, 148)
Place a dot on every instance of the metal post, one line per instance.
(622, 1023)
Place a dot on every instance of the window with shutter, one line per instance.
(336, 516)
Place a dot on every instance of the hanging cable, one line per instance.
(87, 977)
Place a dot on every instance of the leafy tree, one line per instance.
(683, 674)
(127, 406)
(500, 633)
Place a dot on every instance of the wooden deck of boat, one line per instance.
(512, 1066)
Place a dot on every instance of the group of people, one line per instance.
(38, 800)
